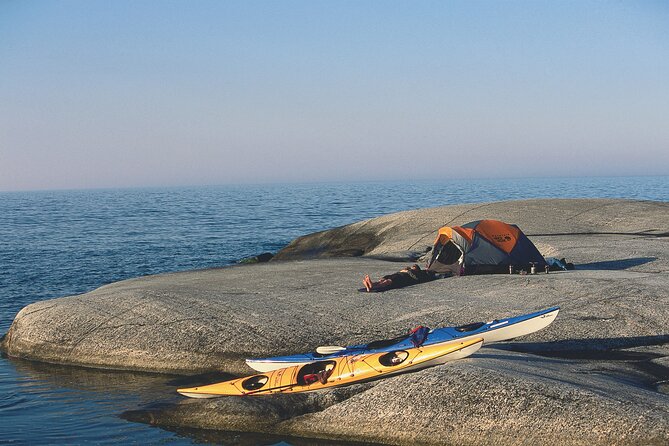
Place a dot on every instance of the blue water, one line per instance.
(59, 243)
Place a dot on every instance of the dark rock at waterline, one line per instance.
(256, 414)
(260, 258)
(531, 391)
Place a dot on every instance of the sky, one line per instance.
(168, 93)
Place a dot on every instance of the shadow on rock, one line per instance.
(616, 265)
(593, 348)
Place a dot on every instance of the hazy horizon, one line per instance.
(147, 94)
(318, 183)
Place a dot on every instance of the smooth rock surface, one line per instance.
(596, 376)
(413, 232)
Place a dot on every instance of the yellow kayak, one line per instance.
(339, 371)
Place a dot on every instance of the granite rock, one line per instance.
(597, 375)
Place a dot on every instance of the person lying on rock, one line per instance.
(410, 275)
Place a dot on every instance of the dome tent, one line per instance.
(483, 247)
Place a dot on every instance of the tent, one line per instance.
(483, 247)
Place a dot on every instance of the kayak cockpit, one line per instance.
(255, 382)
(393, 358)
(470, 327)
(316, 371)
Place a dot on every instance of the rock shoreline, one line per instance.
(596, 376)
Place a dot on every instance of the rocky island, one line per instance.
(598, 375)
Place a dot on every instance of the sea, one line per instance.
(60, 243)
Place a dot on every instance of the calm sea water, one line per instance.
(60, 243)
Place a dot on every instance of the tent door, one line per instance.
(450, 254)
(449, 259)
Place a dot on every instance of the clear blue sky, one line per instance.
(147, 93)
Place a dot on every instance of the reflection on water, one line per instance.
(44, 403)
(53, 404)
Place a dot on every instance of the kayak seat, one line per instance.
(316, 371)
(470, 327)
(321, 376)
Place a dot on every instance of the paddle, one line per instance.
(331, 349)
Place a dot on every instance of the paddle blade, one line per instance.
(329, 349)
